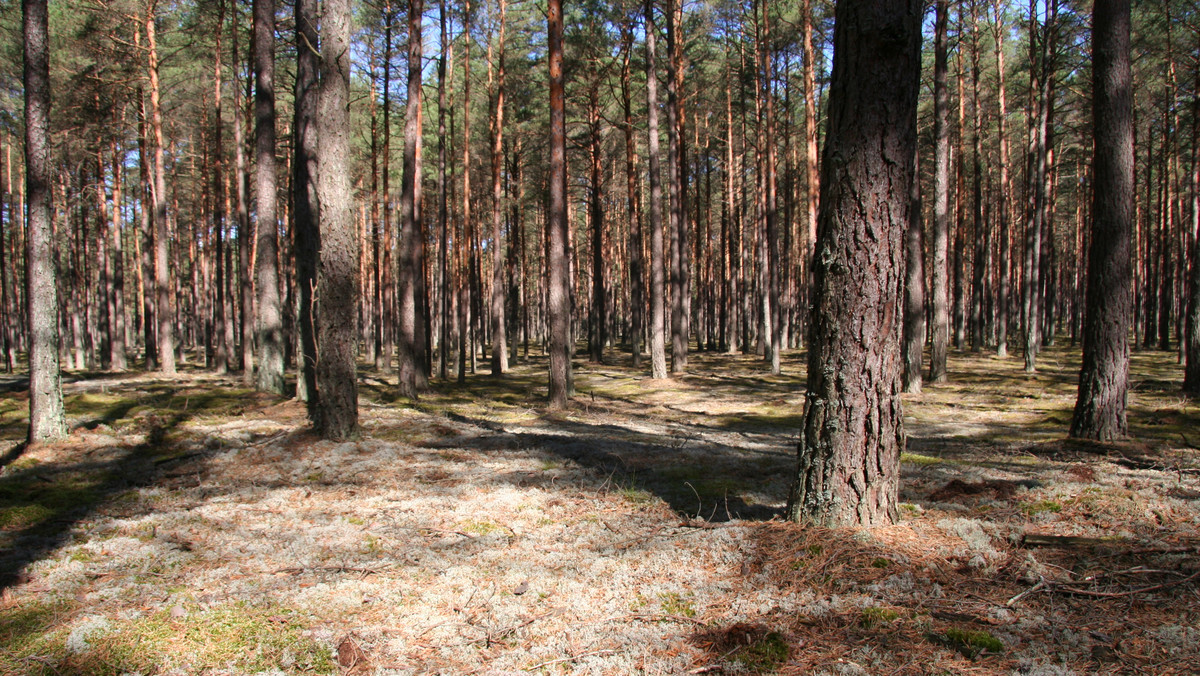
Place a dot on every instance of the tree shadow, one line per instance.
(41, 503)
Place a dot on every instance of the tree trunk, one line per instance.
(410, 349)
(677, 190)
(849, 453)
(337, 274)
(162, 261)
(269, 317)
(443, 201)
(305, 203)
(598, 323)
(941, 199)
(46, 419)
(1104, 379)
(914, 288)
(559, 291)
(499, 335)
(1002, 299)
(658, 328)
(637, 293)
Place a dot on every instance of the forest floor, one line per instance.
(191, 526)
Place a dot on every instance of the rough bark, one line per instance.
(914, 289)
(269, 317)
(410, 348)
(337, 273)
(849, 453)
(941, 199)
(1104, 378)
(305, 206)
(162, 262)
(658, 329)
(499, 335)
(46, 419)
(559, 291)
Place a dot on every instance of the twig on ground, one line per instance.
(297, 570)
(572, 658)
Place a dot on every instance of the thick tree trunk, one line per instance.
(337, 274)
(46, 419)
(941, 199)
(410, 346)
(559, 291)
(269, 316)
(849, 453)
(658, 328)
(1104, 379)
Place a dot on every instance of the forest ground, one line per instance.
(192, 526)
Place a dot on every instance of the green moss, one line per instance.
(881, 562)
(240, 638)
(1041, 506)
(970, 642)
(875, 616)
(762, 656)
(677, 604)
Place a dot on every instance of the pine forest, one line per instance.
(599, 336)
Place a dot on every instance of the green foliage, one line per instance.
(875, 616)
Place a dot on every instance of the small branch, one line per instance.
(572, 658)
(327, 569)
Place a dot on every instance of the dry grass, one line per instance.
(193, 527)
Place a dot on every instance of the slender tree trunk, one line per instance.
(244, 226)
(941, 199)
(849, 453)
(914, 287)
(337, 278)
(119, 357)
(410, 346)
(598, 324)
(46, 418)
(979, 265)
(559, 300)
(385, 289)
(1103, 380)
(1003, 207)
(658, 329)
(305, 203)
(499, 334)
(677, 190)
(443, 202)
(770, 196)
(162, 261)
(269, 316)
(637, 293)
(1191, 338)
(811, 159)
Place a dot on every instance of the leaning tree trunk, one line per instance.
(46, 420)
(269, 317)
(337, 271)
(1104, 379)
(849, 452)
